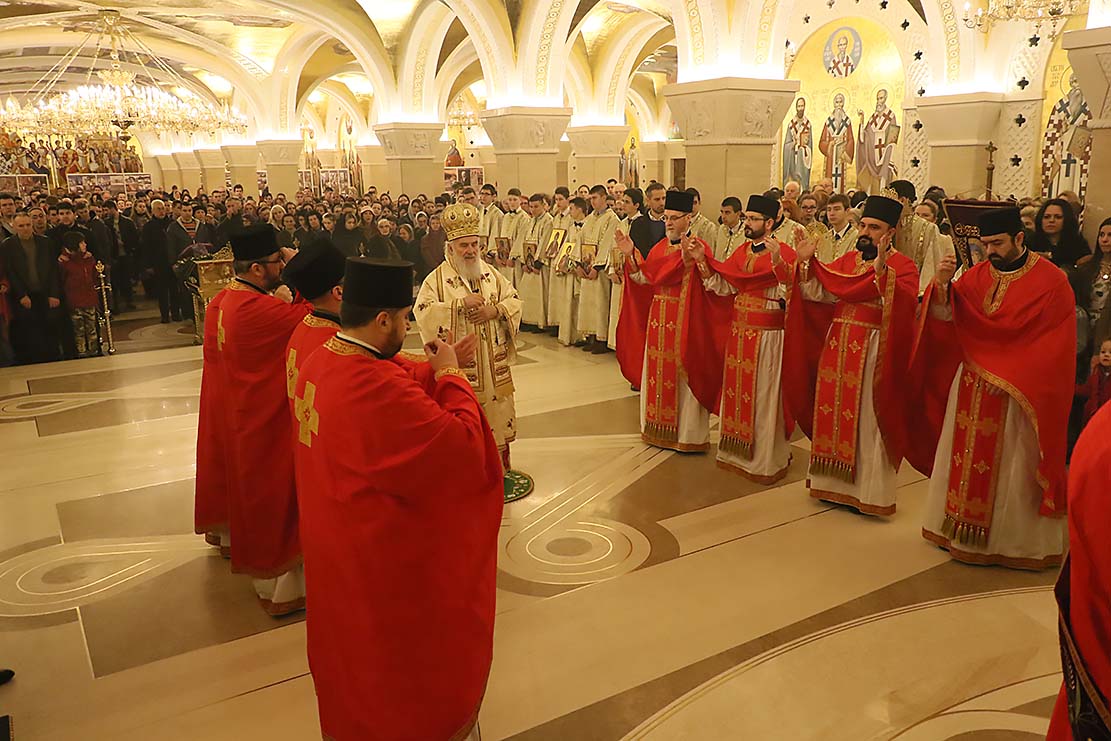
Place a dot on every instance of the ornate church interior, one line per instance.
(649, 583)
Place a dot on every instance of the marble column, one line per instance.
(597, 154)
(282, 158)
(526, 144)
(487, 160)
(414, 158)
(1090, 56)
(959, 128)
(372, 166)
(189, 170)
(654, 163)
(212, 168)
(730, 126)
(154, 169)
(243, 166)
(171, 176)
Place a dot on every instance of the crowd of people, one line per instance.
(789, 308)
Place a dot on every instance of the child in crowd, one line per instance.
(1097, 389)
(78, 268)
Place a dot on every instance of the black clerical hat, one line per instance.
(679, 200)
(378, 284)
(769, 207)
(883, 208)
(254, 243)
(316, 269)
(1000, 221)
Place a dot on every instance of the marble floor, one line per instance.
(642, 594)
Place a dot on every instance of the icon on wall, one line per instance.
(842, 52)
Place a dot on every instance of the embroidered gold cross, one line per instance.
(291, 373)
(308, 421)
(220, 329)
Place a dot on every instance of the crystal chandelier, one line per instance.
(122, 100)
(460, 115)
(1048, 14)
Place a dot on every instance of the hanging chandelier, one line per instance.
(122, 99)
(1043, 14)
(460, 114)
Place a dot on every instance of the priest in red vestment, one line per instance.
(666, 358)
(995, 361)
(850, 327)
(1084, 592)
(210, 499)
(255, 327)
(401, 491)
(754, 432)
(316, 272)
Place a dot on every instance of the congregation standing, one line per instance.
(784, 311)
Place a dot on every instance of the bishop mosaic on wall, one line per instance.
(851, 65)
(1067, 144)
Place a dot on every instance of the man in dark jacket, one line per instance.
(67, 222)
(158, 263)
(31, 262)
(123, 248)
(87, 218)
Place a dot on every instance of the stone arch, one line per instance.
(417, 73)
(542, 39)
(461, 68)
(620, 58)
(487, 26)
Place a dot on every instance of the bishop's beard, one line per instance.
(468, 270)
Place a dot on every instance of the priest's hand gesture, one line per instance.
(774, 250)
(624, 243)
(805, 250)
(693, 251)
(685, 249)
(881, 253)
(946, 269)
(441, 355)
(282, 292)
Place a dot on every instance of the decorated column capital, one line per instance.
(210, 158)
(597, 141)
(730, 110)
(281, 151)
(968, 119)
(186, 160)
(1090, 57)
(522, 130)
(412, 141)
(240, 155)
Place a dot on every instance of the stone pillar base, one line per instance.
(526, 144)
(730, 127)
(959, 128)
(414, 162)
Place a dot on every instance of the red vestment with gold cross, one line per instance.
(825, 352)
(401, 495)
(672, 347)
(1015, 334)
(262, 500)
(210, 499)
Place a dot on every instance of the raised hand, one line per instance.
(441, 355)
(946, 269)
(624, 243)
(806, 249)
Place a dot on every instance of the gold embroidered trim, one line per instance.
(451, 372)
(316, 322)
(993, 299)
(339, 347)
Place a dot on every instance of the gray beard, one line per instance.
(467, 271)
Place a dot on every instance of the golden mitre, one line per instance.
(461, 220)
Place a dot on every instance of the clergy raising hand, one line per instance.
(946, 269)
(624, 243)
(806, 249)
(465, 349)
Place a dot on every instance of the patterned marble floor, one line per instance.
(642, 594)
